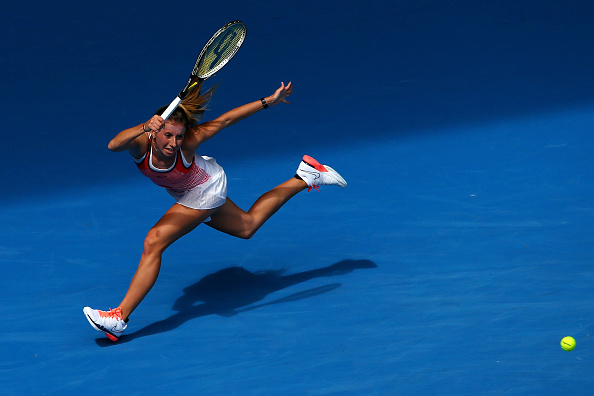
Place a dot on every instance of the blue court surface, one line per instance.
(454, 263)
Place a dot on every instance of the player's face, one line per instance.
(169, 140)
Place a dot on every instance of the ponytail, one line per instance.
(192, 107)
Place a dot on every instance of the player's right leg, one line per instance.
(175, 223)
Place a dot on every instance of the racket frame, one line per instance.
(195, 77)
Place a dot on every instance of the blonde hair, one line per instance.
(192, 107)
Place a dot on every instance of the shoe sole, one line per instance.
(314, 164)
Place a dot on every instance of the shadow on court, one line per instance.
(233, 290)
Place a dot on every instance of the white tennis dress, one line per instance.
(200, 184)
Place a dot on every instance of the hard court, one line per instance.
(458, 257)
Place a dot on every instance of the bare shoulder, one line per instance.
(194, 137)
(208, 129)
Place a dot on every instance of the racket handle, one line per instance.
(171, 108)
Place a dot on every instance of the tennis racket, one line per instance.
(219, 50)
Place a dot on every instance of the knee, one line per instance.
(248, 230)
(154, 242)
(246, 234)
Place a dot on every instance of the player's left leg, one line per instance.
(233, 220)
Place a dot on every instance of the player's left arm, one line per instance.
(207, 130)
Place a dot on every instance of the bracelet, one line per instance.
(144, 130)
(264, 104)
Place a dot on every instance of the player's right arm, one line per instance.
(135, 139)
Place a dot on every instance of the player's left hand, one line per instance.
(281, 94)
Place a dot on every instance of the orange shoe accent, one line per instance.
(112, 337)
(117, 313)
(312, 162)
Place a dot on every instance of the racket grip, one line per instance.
(171, 108)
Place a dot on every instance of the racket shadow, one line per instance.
(234, 290)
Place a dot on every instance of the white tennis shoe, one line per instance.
(316, 174)
(110, 322)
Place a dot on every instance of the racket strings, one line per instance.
(221, 50)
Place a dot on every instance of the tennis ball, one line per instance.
(568, 343)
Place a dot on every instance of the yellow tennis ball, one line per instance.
(568, 343)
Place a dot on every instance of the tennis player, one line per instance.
(165, 152)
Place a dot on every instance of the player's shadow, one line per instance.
(234, 290)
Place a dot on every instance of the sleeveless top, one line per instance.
(180, 177)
